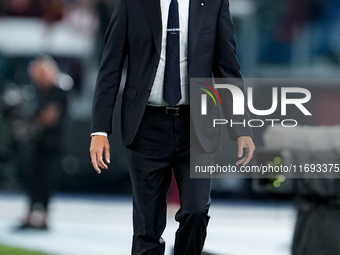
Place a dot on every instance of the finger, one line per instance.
(250, 152)
(100, 160)
(240, 161)
(107, 154)
(240, 149)
(98, 156)
(248, 157)
(94, 162)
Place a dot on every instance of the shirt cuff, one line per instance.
(99, 133)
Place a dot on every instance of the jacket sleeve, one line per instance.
(226, 66)
(110, 72)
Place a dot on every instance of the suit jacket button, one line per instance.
(156, 65)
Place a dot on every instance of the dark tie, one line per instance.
(172, 85)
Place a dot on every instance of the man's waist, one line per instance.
(167, 110)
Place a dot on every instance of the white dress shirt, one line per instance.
(156, 94)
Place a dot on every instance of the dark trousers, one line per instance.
(39, 176)
(162, 145)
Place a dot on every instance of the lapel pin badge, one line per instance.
(202, 4)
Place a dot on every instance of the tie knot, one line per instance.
(173, 18)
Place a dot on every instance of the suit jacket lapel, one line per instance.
(196, 14)
(153, 13)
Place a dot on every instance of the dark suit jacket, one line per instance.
(135, 32)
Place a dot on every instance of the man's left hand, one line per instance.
(245, 142)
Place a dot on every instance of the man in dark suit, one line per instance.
(166, 42)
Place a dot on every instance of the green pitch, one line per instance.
(7, 250)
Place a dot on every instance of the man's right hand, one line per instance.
(99, 146)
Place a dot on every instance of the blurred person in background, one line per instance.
(44, 134)
(316, 228)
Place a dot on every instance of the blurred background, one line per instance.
(276, 39)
